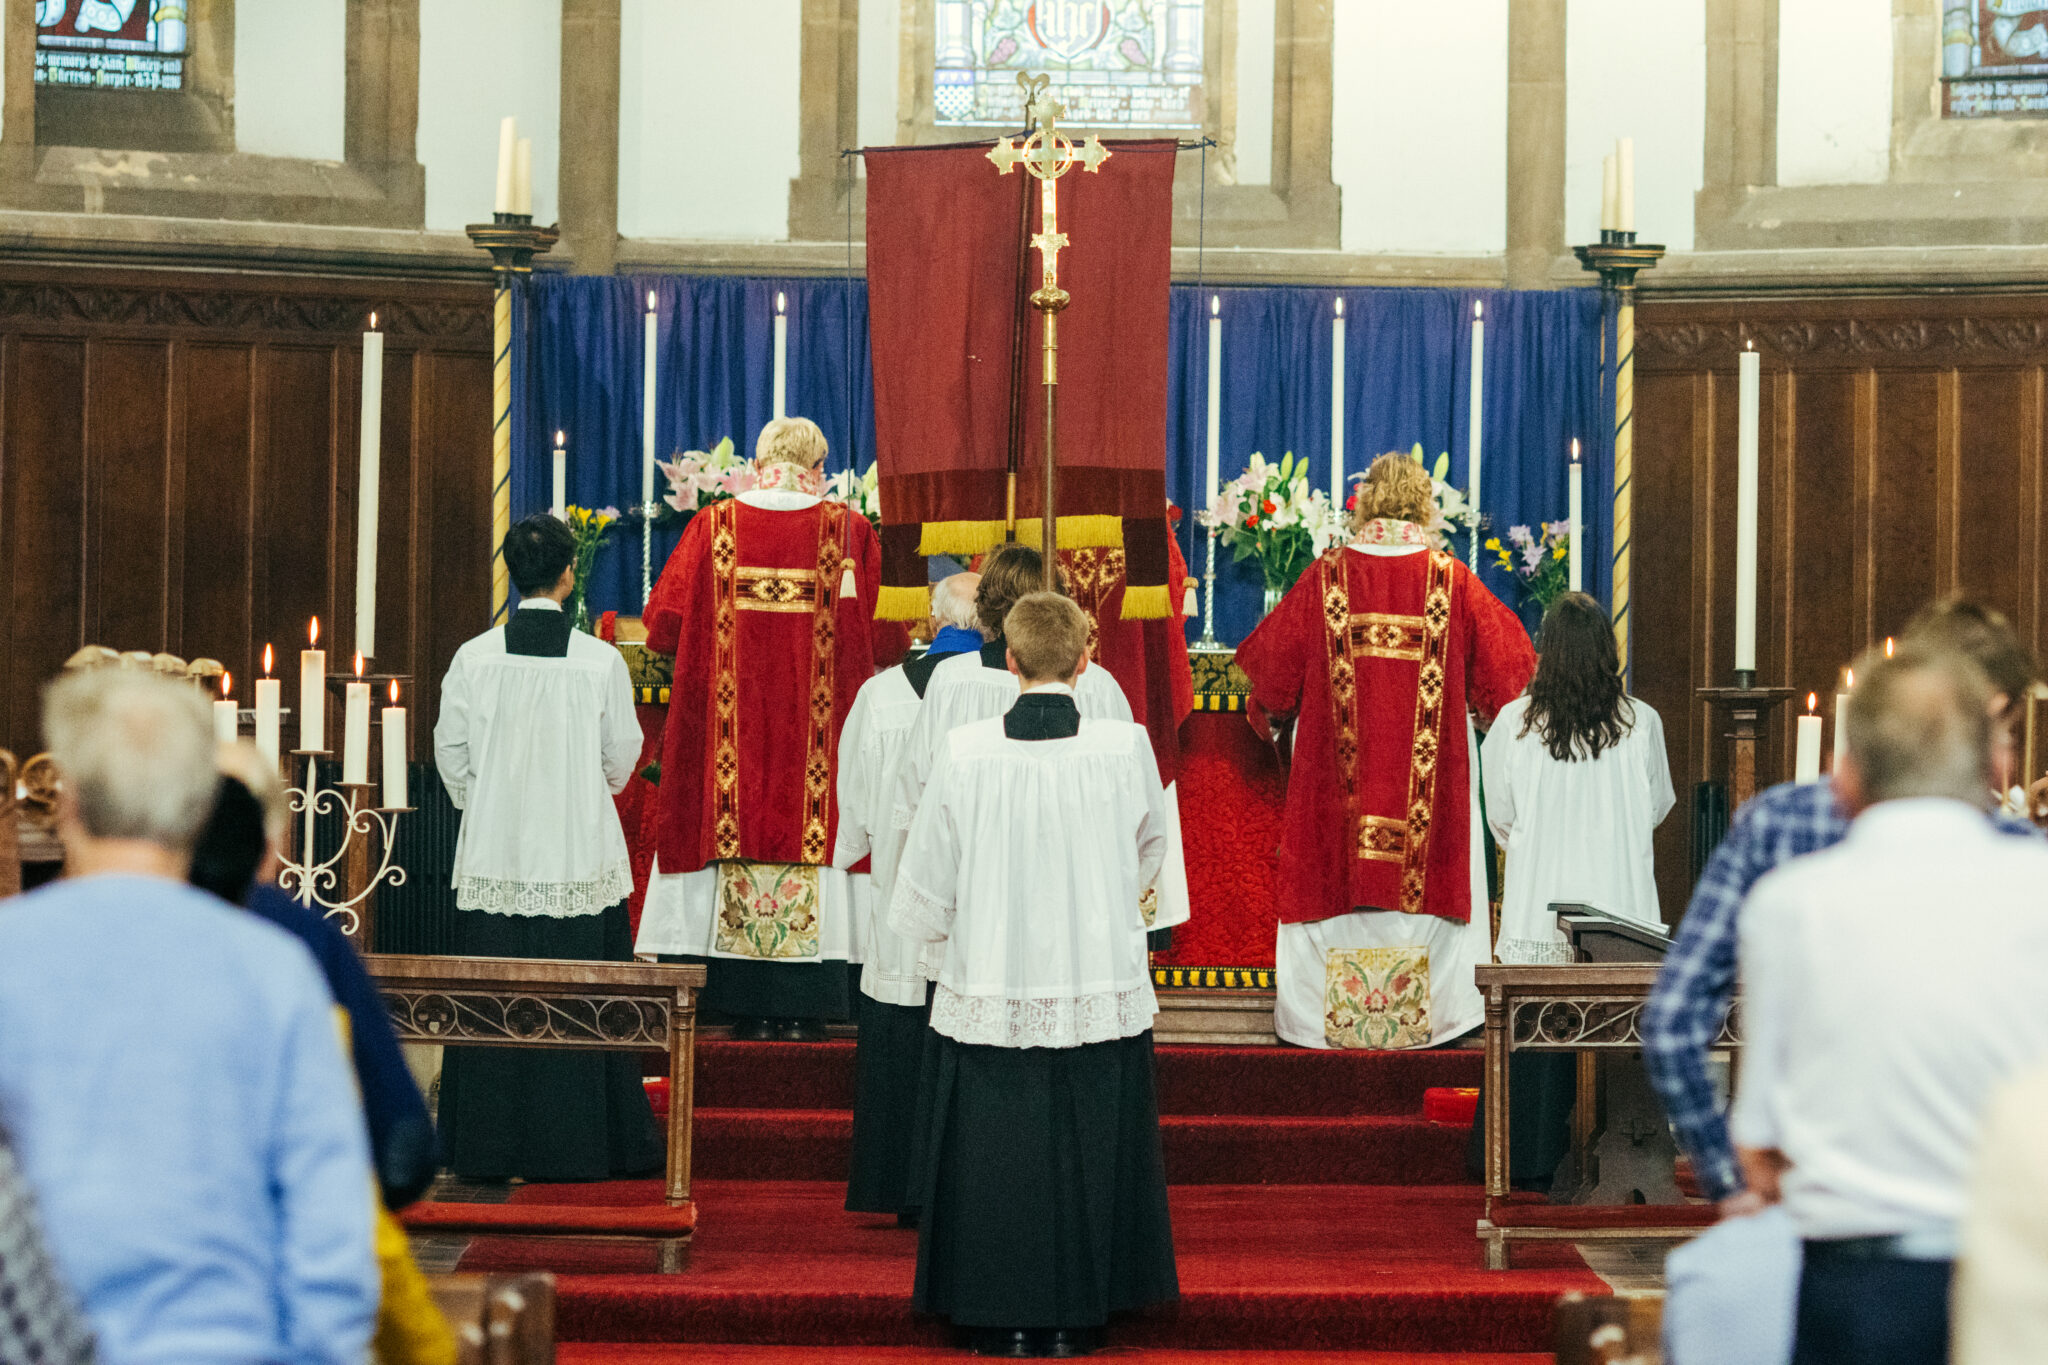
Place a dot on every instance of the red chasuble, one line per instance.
(1380, 656)
(769, 655)
(1148, 658)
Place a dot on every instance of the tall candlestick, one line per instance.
(560, 506)
(1215, 453)
(1610, 212)
(781, 393)
(508, 137)
(394, 752)
(1747, 402)
(1806, 760)
(227, 717)
(647, 356)
(1477, 404)
(1842, 714)
(1625, 185)
(1337, 406)
(355, 730)
(313, 694)
(1574, 579)
(368, 473)
(269, 711)
(522, 177)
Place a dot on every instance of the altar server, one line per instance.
(537, 735)
(1383, 650)
(1041, 1185)
(893, 989)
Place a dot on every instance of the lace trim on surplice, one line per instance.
(554, 900)
(1069, 1021)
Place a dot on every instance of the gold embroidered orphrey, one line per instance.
(1422, 640)
(1376, 997)
(767, 910)
(1092, 574)
(736, 589)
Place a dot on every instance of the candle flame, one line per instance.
(1811, 702)
(1748, 345)
(1215, 305)
(373, 322)
(561, 439)
(227, 683)
(1575, 450)
(394, 691)
(266, 660)
(1888, 646)
(1478, 308)
(1340, 307)
(359, 663)
(313, 634)
(650, 300)
(780, 303)
(1850, 673)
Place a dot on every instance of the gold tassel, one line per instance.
(903, 604)
(846, 587)
(1190, 602)
(1151, 602)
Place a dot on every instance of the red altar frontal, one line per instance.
(1232, 794)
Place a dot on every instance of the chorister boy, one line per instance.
(1039, 1174)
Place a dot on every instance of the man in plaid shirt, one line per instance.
(1694, 989)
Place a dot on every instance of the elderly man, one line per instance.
(1891, 985)
(172, 1076)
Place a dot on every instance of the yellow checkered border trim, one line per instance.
(1214, 978)
(650, 696)
(1219, 701)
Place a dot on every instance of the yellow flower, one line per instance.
(1560, 552)
(1493, 543)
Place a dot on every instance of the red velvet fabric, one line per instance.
(1452, 1104)
(1233, 802)
(1487, 662)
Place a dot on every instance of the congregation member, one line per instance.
(1041, 1184)
(768, 608)
(1697, 982)
(40, 1323)
(2001, 1290)
(537, 734)
(228, 1216)
(1860, 1121)
(894, 992)
(1380, 655)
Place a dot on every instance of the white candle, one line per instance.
(1746, 511)
(394, 752)
(1575, 511)
(1625, 185)
(522, 177)
(1215, 453)
(355, 730)
(1609, 211)
(1806, 763)
(313, 695)
(647, 355)
(368, 465)
(1477, 404)
(508, 135)
(1842, 715)
(781, 356)
(227, 717)
(269, 711)
(560, 506)
(1337, 406)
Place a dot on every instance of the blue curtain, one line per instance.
(1407, 376)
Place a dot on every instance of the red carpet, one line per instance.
(642, 1353)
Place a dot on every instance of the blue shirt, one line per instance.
(954, 640)
(173, 1080)
(1697, 982)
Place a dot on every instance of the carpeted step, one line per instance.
(661, 1353)
(814, 1144)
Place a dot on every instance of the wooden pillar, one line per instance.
(588, 166)
(1536, 147)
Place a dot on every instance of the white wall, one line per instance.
(1254, 92)
(878, 64)
(290, 78)
(1419, 111)
(1834, 91)
(479, 61)
(1630, 75)
(708, 118)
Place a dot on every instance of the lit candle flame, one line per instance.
(1851, 673)
(561, 439)
(1888, 646)
(650, 300)
(1748, 345)
(266, 660)
(373, 322)
(394, 691)
(1215, 305)
(1575, 450)
(313, 634)
(1340, 307)
(1811, 702)
(780, 302)
(359, 663)
(1478, 308)
(227, 684)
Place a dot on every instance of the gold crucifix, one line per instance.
(1047, 154)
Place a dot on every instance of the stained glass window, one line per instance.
(1994, 57)
(1113, 63)
(111, 44)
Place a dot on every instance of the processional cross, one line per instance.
(1047, 154)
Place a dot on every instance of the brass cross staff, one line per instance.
(1047, 154)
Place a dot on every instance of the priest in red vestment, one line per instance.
(1384, 651)
(768, 605)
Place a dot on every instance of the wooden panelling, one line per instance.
(1900, 460)
(178, 470)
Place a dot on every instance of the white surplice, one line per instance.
(532, 750)
(1026, 861)
(870, 747)
(1575, 832)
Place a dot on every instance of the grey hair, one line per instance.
(135, 754)
(1920, 725)
(953, 601)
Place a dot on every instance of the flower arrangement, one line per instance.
(861, 492)
(591, 530)
(1452, 511)
(1537, 560)
(1270, 514)
(699, 478)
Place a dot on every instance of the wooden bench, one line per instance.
(1584, 1008)
(499, 1319)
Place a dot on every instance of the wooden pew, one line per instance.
(499, 1319)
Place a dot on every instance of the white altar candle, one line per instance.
(1625, 185)
(355, 730)
(227, 717)
(647, 355)
(560, 506)
(1477, 404)
(508, 136)
(394, 752)
(1806, 763)
(781, 392)
(269, 711)
(368, 465)
(1215, 455)
(1575, 510)
(313, 694)
(1746, 405)
(1337, 406)
(522, 177)
(1609, 210)
(1842, 714)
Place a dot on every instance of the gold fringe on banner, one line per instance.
(1149, 603)
(1077, 533)
(960, 539)
(903, 604)
(965, 539)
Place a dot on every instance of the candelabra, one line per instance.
(343, 884)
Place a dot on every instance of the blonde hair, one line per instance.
(135, 754)
(243, 762)
(1048, 636)
(1397, 488)
(791, 440)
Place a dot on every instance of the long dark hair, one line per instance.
(1576, 701)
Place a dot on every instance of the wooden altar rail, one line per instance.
(1579, 1008)
(540, 1002)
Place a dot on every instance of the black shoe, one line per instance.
(800, 1031)
(753, 1030)
(1065, 1342)
(1012, 1342)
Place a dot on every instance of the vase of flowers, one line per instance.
(1453, 513)
(1537, 560)
(861, 492)
(698, 478)
(1270, 514)
(591, 530)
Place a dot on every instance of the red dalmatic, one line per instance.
(1380, 656)
(769, 653)
(1148, 658)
